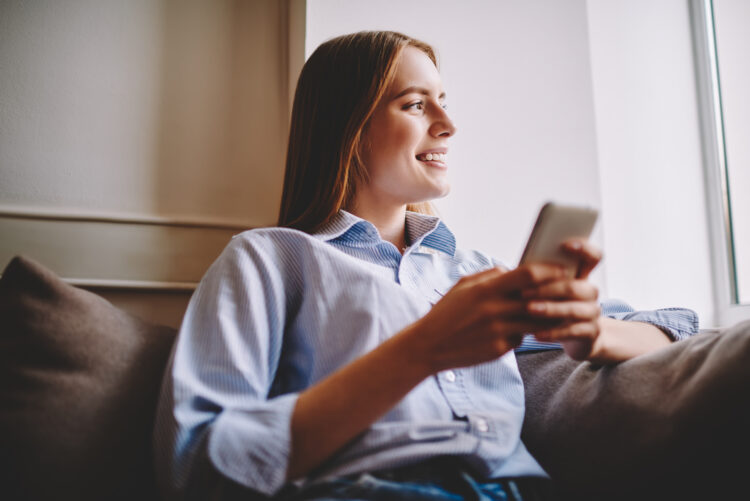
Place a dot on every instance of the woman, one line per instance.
(354, 351)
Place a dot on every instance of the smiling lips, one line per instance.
(431, 157)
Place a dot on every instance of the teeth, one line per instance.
(440, 157)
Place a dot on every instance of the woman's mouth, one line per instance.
(431, 157)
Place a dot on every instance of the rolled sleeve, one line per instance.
(217, 403)
(252, 446)
(677, 323)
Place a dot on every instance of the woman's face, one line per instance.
(405, 142)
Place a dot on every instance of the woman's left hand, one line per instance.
(584, 333)
(573, 300)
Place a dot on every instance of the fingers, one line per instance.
(508, 333)
(588, 255)
(481, 277)
(576, 330)
(579, 340)
(491, 310)
(563, 289)
(564, 310)
(524, 277)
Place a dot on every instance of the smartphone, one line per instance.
(555, 224)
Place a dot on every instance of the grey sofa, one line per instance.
(79, 380)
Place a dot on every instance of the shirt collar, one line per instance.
(422, 230)
(346, 226)
(431, 232)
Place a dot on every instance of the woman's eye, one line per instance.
(419, 105)
(444, 106)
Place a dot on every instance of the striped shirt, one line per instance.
(280, 310)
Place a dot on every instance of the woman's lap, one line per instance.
(444, 483)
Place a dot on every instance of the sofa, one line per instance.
(79, 381)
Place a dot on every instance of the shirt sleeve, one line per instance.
(677, 323)
(215, 407)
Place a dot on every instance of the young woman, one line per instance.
(354, 352)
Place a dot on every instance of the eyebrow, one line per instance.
(418, 90)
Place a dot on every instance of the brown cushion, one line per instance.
(79, 380)
(672, 424)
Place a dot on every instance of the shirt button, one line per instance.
(482, 425)
(450, 376)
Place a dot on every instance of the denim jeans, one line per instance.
(441, 481)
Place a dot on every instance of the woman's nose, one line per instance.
(442, 124)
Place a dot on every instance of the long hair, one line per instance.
(339, 88)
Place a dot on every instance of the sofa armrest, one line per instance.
(659, 426)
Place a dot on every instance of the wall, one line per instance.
(650, 163)
(137, 137)
(159, 106)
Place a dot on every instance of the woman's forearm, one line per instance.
(621, 340)
(337, 409)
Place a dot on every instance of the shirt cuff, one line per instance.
(677, 323)
(531, 343)
(252, 446)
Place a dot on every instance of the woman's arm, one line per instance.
(621, 340)
(341, 406)
(478, 320)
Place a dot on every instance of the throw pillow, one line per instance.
(79, 381)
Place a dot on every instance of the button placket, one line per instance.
(482, 426)
(452, 387)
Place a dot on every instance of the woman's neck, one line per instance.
(391, 224)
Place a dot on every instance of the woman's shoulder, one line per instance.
(273, 237)
(277, 254)
(276, 244)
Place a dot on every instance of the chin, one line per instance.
(443, 192)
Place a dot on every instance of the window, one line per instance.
(723, 71)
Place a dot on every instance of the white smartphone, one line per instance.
(555, 224)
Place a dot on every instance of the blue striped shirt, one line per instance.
(280, 310)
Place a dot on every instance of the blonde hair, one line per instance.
(339, 88)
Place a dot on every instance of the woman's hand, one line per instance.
(583, 332)
(573, 303)
(485, 315)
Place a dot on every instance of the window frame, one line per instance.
(728, 310)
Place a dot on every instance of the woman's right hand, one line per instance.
(484, 316)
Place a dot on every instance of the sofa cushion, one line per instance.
(671, 424)
(79, 380)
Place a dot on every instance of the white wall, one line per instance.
(517, 77)
(653, 194)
